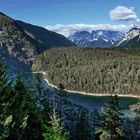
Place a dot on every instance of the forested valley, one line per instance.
(90, 70)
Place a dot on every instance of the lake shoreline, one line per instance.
(84, 93)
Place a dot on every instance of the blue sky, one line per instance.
(54, 14)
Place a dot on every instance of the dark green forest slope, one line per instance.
(92, 70)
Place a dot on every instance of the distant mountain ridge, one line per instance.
(96, 38)
(20, 43)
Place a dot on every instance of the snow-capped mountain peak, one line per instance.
(96, 38)
(131, 34)
(131, 40)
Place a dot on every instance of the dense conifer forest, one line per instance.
(92, 70)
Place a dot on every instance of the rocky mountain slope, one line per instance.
(131, 39)
(45, 38)
(97, 38)
(20, 43)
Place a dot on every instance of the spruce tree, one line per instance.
(62, 97)
(19, 117)
(95, 122)
(42, 100)
(5, 95)
(55, 131)
(82, 128)
(112, 118)
(135, 125)
(26, 117)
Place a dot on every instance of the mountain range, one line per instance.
(96, 38)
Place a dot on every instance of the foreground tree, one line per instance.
(135, 127)
(55, 131)
(5, 95)
(27, 122)
(82, 128)
(95, 122)
(19, 115)
(63, 96)
(112, 119)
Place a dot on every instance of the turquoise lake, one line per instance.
(90, 102)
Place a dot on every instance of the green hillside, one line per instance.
(92, 70)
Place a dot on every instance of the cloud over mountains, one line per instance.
(119, 13)
(71, 28)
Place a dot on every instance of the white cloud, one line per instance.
(70, 28)
(122, 13)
